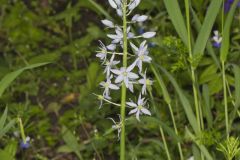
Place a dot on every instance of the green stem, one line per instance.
(225, 98)
(124, 91)
(176, 131)
(196, 101)
(165, 143)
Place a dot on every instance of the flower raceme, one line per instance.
(111, 56)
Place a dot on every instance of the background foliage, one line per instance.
(55, 100)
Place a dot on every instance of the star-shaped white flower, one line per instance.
(104, 50)
(118, 37)
(117, 125)
(109, 65)
(107, 85)
(125, 75)
(145, 82)
(139, 107)
(142, 55)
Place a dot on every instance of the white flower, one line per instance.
(108, 23)
(117, 126)
(139, 107)
(139, 18)
(217, 39)
(113, 4)
(133, 4)
(125, 75)
(145, 82)
(103, 54)
(148, 34)
(109, 65)
(142, 54)
(107, 86)
(118, 37)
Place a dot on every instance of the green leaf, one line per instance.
(71, 141)
(207, 106)
(3, 118)
(236, 70)
(206, 28)
(177, 19)
(10, 77)
(210, 49)
(202, 147)
(161, 84)
(226, 32)
(185, 103)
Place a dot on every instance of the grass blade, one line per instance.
(226, 32)
(10, 77)
(236, 70)
(185, 103)
(206, 28)
(177, 19)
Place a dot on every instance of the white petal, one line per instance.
(148, 34)
(133, 111)
(142, 18)
(135, 17)
(108, 23)
(116, 71)
(112, 3)
(118, 2)
(111, 47)
(130, 87)
(119, 12)
(147, 59)
(126, 81)
(141, 81)
(132, 75)
(113, 36)
(119, 79)
(131, 104)
(113, 86)
(137, 115)
(133, 4)
(131, 66)
(134, 47)
(146, 111)
(139, 64)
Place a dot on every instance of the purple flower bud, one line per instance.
(216, 45)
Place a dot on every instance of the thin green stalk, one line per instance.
(225, 98)
(176, 131)
(160, 127)
(196, 101)
(165, 143)
(124, 91)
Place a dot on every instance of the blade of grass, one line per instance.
(3, 118)
(236, 71)
(177, 19)
(226, 32)
(10, 77)
(100, 9)
(206, 27)
(210, 50)
(185, 103)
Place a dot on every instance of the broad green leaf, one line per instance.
(206, 28)
(185, 102)
(177, 19)
(226, 32)
(10, 77)
(207, 73)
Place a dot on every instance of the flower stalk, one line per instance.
(124, 89)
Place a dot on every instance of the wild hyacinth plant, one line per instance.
(129, 70)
